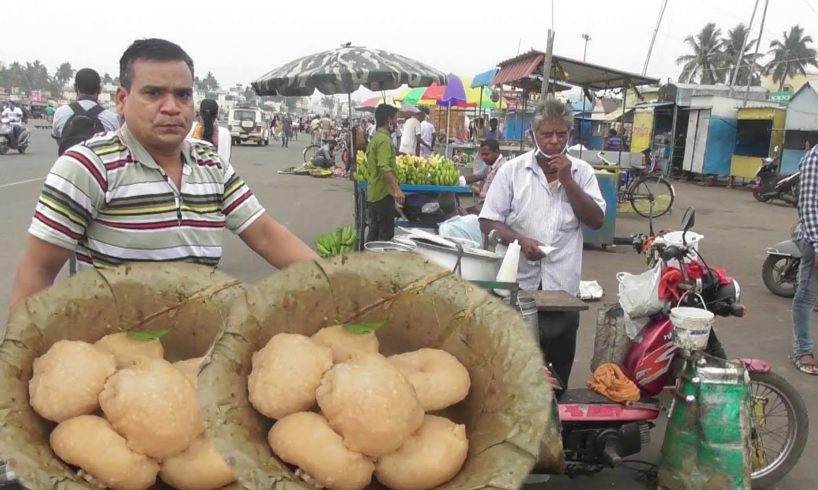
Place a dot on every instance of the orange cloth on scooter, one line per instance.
(672, 276)
(610, 382)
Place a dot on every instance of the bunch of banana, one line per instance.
(361, 170)
(435, 170)
(341, 241)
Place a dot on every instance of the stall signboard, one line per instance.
(781, 98)
(642, 130)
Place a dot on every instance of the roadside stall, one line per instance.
(759, 129)
(800, 127)
(711, 134)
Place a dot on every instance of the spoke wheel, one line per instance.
(651, 191)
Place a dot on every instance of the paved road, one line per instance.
(736, 230)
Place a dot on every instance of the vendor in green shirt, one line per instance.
(383, 189)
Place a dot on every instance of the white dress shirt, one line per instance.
(521, 197)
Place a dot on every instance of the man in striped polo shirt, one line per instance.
(145, 192)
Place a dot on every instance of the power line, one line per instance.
(810, 7)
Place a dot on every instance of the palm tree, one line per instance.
(731, 45)
(703, 63)
(790, 56)
(328, 101)
(64, 73)
(106, 78)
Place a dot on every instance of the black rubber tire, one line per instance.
(800, 416)
(3, 149)
(760, 197)
(659, 181)
(769, 281)
(22, 149)
(310, 152)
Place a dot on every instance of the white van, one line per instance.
(248, 124)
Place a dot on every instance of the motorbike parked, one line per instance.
(599, 433)
(769, 184)
(780, 269)
(9, 141)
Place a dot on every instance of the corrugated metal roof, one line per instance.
(518, 68)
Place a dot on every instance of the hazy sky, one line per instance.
(240, 41)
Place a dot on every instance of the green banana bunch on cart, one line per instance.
(341, 241)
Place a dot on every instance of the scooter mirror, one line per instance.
(689, 219)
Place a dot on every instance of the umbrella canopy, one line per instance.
(344, 70)
(455, 92)
(372, 103)
(414, 96)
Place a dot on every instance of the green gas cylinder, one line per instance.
(707, 441)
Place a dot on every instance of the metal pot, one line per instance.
(388, 247)
(475, 265)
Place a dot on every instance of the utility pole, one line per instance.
(585, 50)
(546, 65)
(752, 68)
(653, 38)
(740, 55)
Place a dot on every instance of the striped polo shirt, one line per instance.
(109, 201)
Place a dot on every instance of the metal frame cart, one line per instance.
(360, 203)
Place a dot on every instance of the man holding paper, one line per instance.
(540, 199)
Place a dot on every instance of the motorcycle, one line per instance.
(780, 269)
(8, 140)
(769, 184)
(599, 433)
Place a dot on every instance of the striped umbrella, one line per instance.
(344, 70)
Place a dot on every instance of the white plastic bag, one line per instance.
(639, 293)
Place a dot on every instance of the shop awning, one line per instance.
(580, 73)
(485, 78)
(518, 68)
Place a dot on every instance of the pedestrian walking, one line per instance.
(806, 293)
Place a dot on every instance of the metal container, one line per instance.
(475, 264)
(388, 247)
(527, 308)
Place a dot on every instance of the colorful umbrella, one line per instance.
(370, 104)
(414, 96)
(454, 92)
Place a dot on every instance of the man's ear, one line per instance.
(120, 96)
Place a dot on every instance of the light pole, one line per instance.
(585, 50)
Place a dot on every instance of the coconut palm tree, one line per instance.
(731, 45)
(790, 56)
(64, 73)
(703, 62)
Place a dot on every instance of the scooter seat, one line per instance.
(588, 397)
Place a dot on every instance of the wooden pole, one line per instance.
(546, 67)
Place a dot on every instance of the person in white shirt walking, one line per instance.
(410, 139)
(88, 86)
(427, 135)
(541, 198)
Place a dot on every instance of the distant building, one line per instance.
(791, 84)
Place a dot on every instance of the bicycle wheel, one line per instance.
(651, 195)
(310, 152)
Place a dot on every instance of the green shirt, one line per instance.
(380, 158)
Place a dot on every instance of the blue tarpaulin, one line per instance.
(483, 79)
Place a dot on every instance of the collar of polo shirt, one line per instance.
(142, 156)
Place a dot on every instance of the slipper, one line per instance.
(804, 366)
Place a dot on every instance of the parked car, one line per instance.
(248, 124)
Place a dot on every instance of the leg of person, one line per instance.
(384, 219)
(558, 341)
(371, 217)
(806, 295)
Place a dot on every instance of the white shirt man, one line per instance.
(409, 140)
(15, 115)
(521, 197)
(109, 119)
(427, 135)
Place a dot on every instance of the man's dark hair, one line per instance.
(493, 120)
(150, 49)
(447, 202)
(87, 82)
(492, 145)
(612, 132)
(382, 114)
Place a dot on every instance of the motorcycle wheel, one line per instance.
(764, 386)
(3, 149)
(22, 149)
(310, 152)
(771, 275)
(760, 197)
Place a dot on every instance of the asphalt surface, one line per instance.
(736, 229)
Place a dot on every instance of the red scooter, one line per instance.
(599, 433)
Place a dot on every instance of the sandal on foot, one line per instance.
(806, 367)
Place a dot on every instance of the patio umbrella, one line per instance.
(370, 104)
(344, 70)
(453, 94)
(414, 96)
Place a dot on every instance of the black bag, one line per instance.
(81, 126)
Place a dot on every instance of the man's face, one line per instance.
(552, 136)
(488, 156)
(158, 108)
(493, 125)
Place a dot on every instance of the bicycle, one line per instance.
(647, 189)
